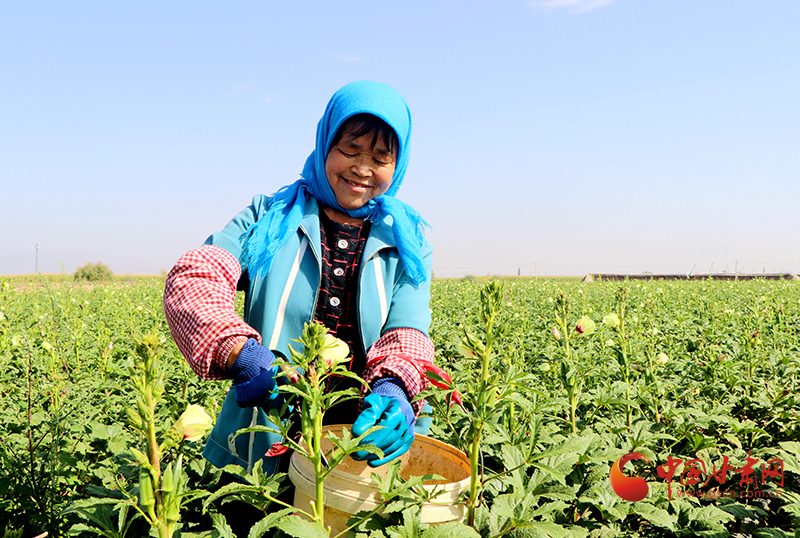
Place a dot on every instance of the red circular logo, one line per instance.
(630, 488)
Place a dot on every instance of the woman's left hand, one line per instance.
(394, 413)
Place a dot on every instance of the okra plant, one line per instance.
(162, 486)
(490, 398)
(304, 381)
(571, 371)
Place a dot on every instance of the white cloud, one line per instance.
(574, 6)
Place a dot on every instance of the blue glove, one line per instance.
(387, 406)
(253, 376)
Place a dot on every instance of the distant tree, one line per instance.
(94, 272)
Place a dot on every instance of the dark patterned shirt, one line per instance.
(342, 248)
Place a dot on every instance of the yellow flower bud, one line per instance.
(611, 320)
(585, 325)
(334, 350)
(465, 352)
(193, 423)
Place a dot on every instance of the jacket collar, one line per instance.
(380, 236)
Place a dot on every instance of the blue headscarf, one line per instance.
(270, 232)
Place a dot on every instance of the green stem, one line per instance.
(628, 406)
(319, 509)
(474, 454)
(573, 409)
(155, 461)
(475, 445)
(572, 389)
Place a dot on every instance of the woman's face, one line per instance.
(358, 171)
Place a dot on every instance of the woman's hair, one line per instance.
(363, 124)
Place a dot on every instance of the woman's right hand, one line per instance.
(253, 372)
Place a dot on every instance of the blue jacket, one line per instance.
(279, 304)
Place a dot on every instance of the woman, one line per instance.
(337, 247)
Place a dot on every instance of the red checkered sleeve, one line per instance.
(402, 353)
(199, 305)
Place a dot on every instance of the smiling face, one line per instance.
(359, 168)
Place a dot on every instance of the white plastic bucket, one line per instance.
(349, 488)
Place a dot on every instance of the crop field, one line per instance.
(690, 389)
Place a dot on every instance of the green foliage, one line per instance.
(94, 272)
(67, 353)
(691, 370)
(694, 370)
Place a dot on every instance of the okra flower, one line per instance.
(585, 325)
(611, 321)
(468, 353)
(334, 351)
(193, 423)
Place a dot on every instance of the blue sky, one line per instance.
(552, 137)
